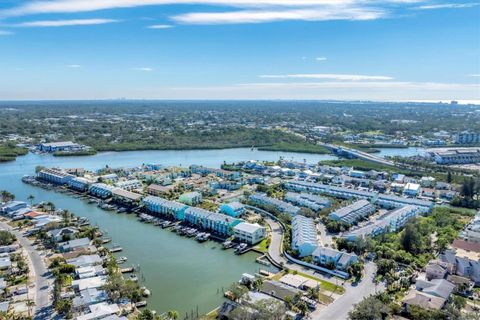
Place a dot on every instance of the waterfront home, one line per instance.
(159, 190)
(102, 310)
(90, 271)
(74, 244)
(13, 206)
(101, 190)
(162, 206)
(339, 259)
(89, 283)
(125, 197)
(304, 235)
(22, 213)
(191, 198)
(129, 185)
(278, 290)
(55, 176)
(108, 178)
(390, 222)
(353, 212)
(299, 282)
(43, 220)
(234, 209)
(249, 233)
(215, 222)
(86, 260)
(281, 206)
(310, 201)
(88, 297)
(80, 184)
(63, 234)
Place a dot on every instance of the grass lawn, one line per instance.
(323, 298)
(262, 246)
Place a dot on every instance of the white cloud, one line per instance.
(321, 58)
(5, 33)
(63, 23)
(448, 6)
(263, 16)
(146, 69)
(160, 26)
(474, 75)
(327, 76)
(74, 66)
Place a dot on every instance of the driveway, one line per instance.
(43, 279)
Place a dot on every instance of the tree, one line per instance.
(6, 238)
(370, 308)
(7, 196)
(172, 315)
(31, 198)
(237, 291)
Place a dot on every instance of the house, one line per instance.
(216, 222)
(86, 260)
(249, 233)
(74, 244)
(353, 212)
(63, 234)
(159, 190)
(340, 259)
(89, 283)
(304, 235)
(299, 282)
(13, 206)
(427, 182)
(233, 209)
(125, 197)
(436, 287)
(423, 300)
(436, 270)
(10, 248)
(88, 297)
(191, 198)
(129, 185)
(411, 189)
(278, 290)
(5, 262)
(100, 311)
(89, 271)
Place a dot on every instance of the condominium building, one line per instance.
(60, 146)
(456, 156)
(310, 201)
(233, 209)
(79, 183)
(165, 207)
(353, 212)
(215, 222)
(101, 190)
(467, 137)
(264, 200)
(340, 259)
(391, 201)
(304, 235)
(191, 198)
(392, 221)
(339, 192)
(55, 176)
(129, 185)
(249, 233)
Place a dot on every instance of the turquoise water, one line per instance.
(181, 273)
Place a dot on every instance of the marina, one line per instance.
(166, 259)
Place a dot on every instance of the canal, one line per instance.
(182, 274)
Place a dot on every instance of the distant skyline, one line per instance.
(383, 50)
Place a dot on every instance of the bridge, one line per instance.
(353, 153)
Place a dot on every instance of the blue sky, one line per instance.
(240, 49)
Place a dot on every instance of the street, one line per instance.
(43, 283)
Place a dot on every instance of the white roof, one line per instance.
(248, 227)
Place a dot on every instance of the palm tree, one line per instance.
(172, 314)
(30, 304)
(31, 198)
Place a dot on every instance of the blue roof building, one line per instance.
(233, 209)
(165, 207)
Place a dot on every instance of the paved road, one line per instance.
(43, 279)
(337, 310)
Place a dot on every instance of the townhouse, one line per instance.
(326, 256)
(55, 176)
(306, 200)
(353, 212)
(215, 222)
(191, 198)
(264, 200)
(234, 209)
(249, 233)
(101, 190)
(304, 235)
(162, 206)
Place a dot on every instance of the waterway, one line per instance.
(182, 274)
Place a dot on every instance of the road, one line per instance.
(359, 154)
(354, 293)
(43, 279)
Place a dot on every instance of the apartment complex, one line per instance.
(353, 212)
(304, 235)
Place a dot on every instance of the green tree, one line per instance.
(370, 308)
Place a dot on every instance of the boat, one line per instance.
(145, 292)
(106, 240)
(203, 237)
(241, 248)
(228, 244)
(133, 277)
(121, 210)
(121, 260)
(140, 304)
(191, 232)
(116, 248)
(127, 270)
